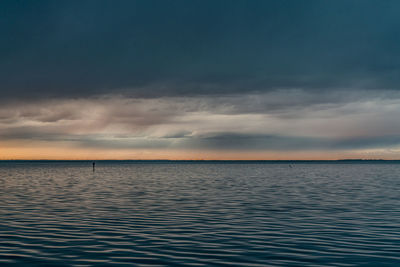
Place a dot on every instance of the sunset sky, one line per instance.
(199, 79)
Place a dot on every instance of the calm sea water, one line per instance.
(199, 214)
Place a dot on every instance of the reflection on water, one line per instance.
(199, 214)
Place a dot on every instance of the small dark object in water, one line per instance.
(94, 164)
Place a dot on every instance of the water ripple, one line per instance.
(63, 214)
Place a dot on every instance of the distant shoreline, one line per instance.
(341, 161)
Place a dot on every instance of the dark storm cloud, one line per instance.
(167, 48)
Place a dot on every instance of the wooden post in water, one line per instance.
(94, 164)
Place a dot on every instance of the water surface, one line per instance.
(199, 214)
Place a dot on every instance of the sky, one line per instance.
(220, 79)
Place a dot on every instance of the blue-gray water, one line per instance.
(199, 214)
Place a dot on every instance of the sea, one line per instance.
(156, 213)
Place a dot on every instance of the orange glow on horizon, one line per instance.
(64, 151)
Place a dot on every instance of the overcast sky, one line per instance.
(199, 79)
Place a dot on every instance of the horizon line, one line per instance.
(202, 160)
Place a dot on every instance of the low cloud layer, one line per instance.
(286, 120)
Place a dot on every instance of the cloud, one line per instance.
(192, 75)
(286, 120)
(152, 49)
